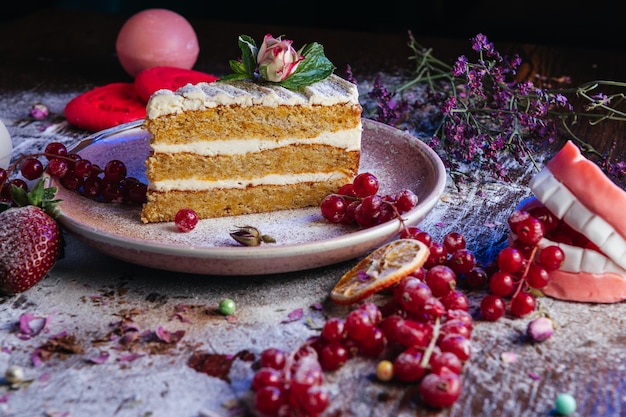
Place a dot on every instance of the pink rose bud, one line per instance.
(277, 59)
(39, 111)
(540, 329)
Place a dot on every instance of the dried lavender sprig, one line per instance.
(485, 115)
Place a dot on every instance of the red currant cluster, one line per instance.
(358, 203)
(421, 335)
(110, 184)
(290, 385)
(521, 266)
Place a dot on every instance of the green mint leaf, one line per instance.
(238, 67)
(249, 52)
(315, 67)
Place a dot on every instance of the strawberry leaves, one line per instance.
(40, 196)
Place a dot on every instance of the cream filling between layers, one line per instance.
(274, 179)
(350, 140)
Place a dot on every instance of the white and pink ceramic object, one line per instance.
(576, 191)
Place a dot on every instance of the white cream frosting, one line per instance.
(330, 91)
(201, 185)
(350, 140)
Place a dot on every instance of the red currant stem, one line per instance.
(431, 346)
(526, 269)
(21, 159)
(398, 215)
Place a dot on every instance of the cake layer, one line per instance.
(162, 207)
(281, 122)
(292, 160)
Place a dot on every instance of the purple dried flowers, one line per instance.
(484, 117)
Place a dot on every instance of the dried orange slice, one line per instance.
(380, 269)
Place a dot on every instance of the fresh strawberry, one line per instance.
(30, 239)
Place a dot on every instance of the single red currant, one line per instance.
(186, 220)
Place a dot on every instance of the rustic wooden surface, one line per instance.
(52, 56)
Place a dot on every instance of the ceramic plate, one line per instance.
(304, 239)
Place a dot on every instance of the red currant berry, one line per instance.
(57, 167)
(441, 279)
(502, 283)
(523, 304)
(359, 325)
(438, 255)
(269, 400)
(454, 241)
(516, 217)
(537, 276)
(457, 344)
(407, 366)
(347, 190)
(510, 260)
(333, 330)
(530, 231)
(462, 261)
(371, 206)
(476, 279)
(492, 307)
(551, 257)
(333, 356)
(406, 200)
(54, 149)
(114, 171)
(440, 390)
(455, 300)
(411, 293)
(186, 220)
(333, 208)
(365, 184)
(440, 360)
(266, 377)
(31, 168)
(549, 220)
(273, 358)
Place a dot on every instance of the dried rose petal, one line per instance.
(296, 314)
(31, 325)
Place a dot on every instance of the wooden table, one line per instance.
(51, 56)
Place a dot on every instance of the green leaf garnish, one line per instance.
(315, 66)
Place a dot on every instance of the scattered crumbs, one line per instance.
(296, 314)
(129, 358)
(508, 357)
(62, 344)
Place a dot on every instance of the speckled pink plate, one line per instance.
(304, 239)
